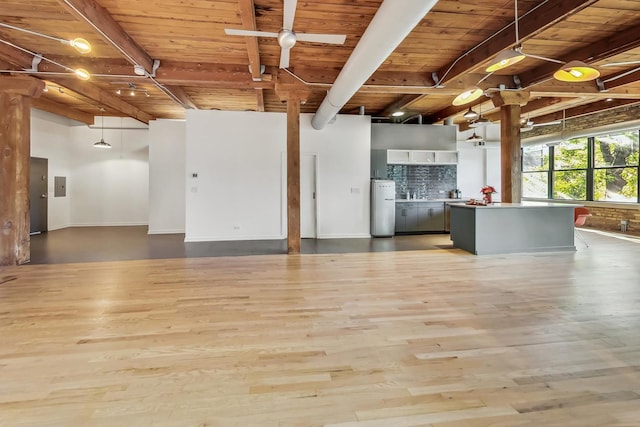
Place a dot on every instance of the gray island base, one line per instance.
(513, 227)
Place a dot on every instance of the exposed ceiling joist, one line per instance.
(248, 17)
(62, 110)
(103, 23)
(182, 96)
(107, 27)
(584, 110)
(86, 89)
(102, 97)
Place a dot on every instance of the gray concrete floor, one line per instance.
(90, 244)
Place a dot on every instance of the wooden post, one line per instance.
(293, 176)
(293, 94)
(510, 153)
(510, 157)
(15, 149)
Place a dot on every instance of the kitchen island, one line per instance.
(512, 227)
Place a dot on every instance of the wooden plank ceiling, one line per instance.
(198, 66)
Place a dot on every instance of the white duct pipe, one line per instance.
(392, 23)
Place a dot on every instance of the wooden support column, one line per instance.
(510, 153)
(293, 176)
(293, 94)
(15, 149)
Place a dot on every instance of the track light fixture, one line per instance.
(79, 44)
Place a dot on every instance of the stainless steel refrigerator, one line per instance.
(383, 208)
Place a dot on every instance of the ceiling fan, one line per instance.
(527, 125)
(287, 38)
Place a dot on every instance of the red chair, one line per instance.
(579, 218)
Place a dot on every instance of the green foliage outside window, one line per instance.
(614, 169)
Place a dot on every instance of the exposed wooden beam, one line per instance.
(504, 97)
(182, 96)
(259, 100)
(90, 91)
(102, 97)
(604, 48)
(547, 15)
(621, 79)
(62, 110)
(211, 75)
(15, 57)
(587, 109)
(22, 85)
(248, 17)
(101, 20)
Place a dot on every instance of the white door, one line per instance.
(308, 196)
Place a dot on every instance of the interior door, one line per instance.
(308, 196)
(38, 193)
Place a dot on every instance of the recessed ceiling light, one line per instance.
(397, 113)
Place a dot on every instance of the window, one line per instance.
(616, 174)
(602, 168)
(535, 167)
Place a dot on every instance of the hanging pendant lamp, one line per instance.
(576, 71)
(102, 143)
(470, 114)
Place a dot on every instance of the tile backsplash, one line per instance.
(426, 181)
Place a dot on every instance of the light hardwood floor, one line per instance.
(436, 338)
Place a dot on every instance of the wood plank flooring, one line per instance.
(436, 338)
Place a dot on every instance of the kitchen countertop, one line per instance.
(523, 205)
(431, 200)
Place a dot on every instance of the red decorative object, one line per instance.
(487, 191)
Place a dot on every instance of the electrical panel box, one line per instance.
(60, 186)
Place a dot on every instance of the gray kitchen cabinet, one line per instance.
(431, 216)
(419, 217)
(379, 164)
(406, 217)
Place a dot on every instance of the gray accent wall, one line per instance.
(412, 137)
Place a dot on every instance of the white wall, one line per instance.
(109, 187)
(479, 165)
(167, 176)
(240, 189)
(237, 194)
(343, 149)
(50, 135)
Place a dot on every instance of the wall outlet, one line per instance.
(355, 190)
(236, 227)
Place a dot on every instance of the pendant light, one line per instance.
(102, 143)
(508, 57)
(468, 96)
(576, 71)
(470, 114)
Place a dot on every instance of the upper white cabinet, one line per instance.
(422, 157)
